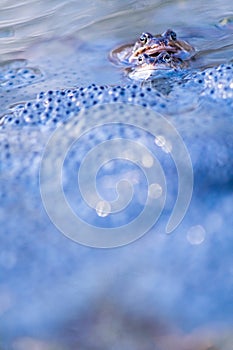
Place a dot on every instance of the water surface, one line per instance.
(156, 292)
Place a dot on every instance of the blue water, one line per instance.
(162, 291)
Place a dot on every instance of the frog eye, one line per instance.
(167, 57)
(173, 35)
(141, 59)
(164, 58)
(144, 38)
(170, 34)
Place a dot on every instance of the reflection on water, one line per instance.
(57, 44)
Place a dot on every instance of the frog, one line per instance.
(151, 53)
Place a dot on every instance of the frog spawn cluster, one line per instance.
(38, 258)
(212, 88)
(53, 107)
(17, 73)
(218, 82)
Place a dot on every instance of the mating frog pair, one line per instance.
(152, 53)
